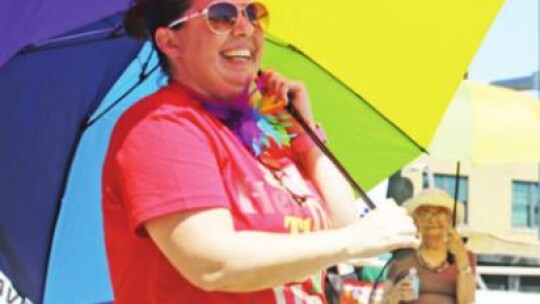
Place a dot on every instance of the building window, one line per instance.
(525, 204)
(448, 183)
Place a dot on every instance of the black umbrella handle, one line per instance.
(324, 149)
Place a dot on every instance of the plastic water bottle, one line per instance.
(413, 276)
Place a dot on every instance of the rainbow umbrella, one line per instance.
(380, 75)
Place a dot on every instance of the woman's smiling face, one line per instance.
(218, 65)
(432, 221)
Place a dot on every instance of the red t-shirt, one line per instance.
(168, 154)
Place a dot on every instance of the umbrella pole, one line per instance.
(356, 187)
(456, 195)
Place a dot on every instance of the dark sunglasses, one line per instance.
(222, 16)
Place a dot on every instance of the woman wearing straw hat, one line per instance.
(442, 280)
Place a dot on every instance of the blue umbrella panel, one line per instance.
(46, 97)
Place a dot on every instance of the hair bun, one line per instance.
(135, 19)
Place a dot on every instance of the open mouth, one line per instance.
(238, 55)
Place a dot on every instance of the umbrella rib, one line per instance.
(142, 78)
(292, 47)
(71, 37)
(67, 41)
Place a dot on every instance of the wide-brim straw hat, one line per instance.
(437, 198)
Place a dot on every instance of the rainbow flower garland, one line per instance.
(256, 119)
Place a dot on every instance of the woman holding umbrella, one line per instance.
(442, 280)
(211, 193)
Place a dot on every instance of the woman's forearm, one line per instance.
(205, 248)
(466, 288)
(334, 188)
(275, 260)
(466, 281)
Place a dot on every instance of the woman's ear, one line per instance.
(167, 42)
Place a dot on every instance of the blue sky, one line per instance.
(511, 47)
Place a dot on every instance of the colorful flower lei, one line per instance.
(258, 120)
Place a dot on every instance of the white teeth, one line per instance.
(244, 53)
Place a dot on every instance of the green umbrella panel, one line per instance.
(370, 146)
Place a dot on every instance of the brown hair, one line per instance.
(144, 17)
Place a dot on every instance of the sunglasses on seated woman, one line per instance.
(222, 16)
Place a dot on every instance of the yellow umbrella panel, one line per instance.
(380, 73)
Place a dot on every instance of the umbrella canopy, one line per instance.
(55, 118)
(488, 124)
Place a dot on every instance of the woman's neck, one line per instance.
(433, 259)
(434, 248)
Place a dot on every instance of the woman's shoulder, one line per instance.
(161, 114)
(164, 105)
(164, 101)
